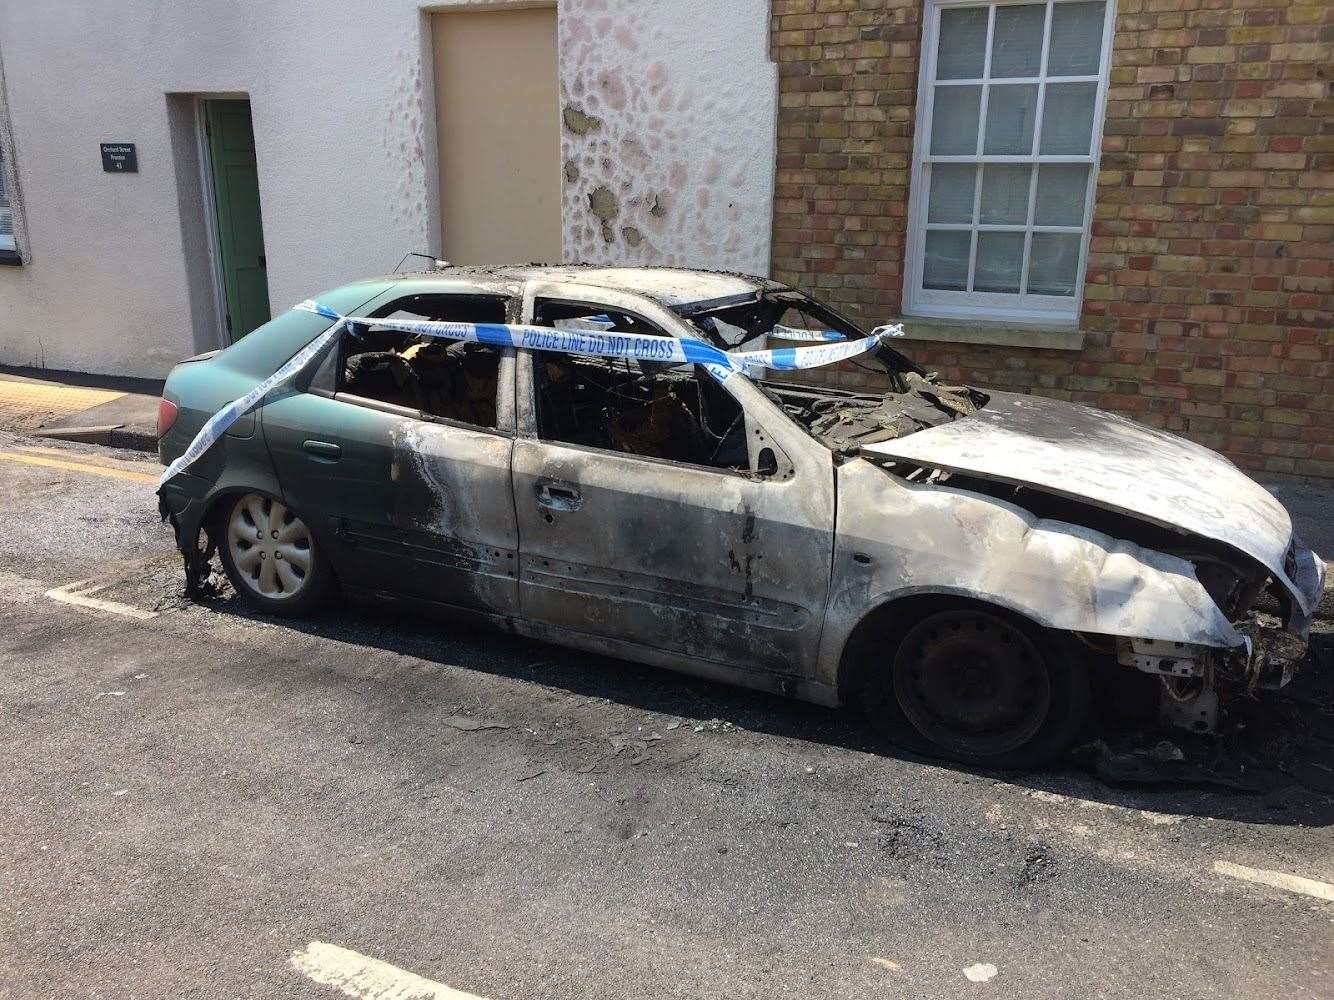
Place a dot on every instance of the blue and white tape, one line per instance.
(631, 346)
(217, 425)
(796, 333)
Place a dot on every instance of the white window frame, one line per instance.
(999, 306)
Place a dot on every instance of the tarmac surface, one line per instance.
(201, 802)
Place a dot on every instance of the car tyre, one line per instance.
(271, 557)
(982, 687)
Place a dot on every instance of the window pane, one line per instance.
(1016, 44)
(1076, 39)
(1011, 110)
(951, 193)
(1000, 258)
(1052, 264)
(6, 222)
(954, 121)
(946, 264)
(1067, 118)
(1005, 193)
(1061, 189)
(963, 44)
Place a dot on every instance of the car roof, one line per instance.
(671, 286)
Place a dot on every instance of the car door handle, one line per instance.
(324, 450)
(558, 496)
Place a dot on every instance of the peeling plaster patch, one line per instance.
(670, 116)
(578, 122)
(602, 203)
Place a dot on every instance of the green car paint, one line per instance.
(200, 387)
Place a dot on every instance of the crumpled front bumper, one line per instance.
(1268, 656)
(1274, 647)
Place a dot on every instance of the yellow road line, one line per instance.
(96, 470)
(60, 398)
(129, 465)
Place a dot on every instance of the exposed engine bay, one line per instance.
(844, 421)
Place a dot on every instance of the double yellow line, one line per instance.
(46, 459)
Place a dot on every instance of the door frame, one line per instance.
(211, 209)
(805, 466)
(209, 187)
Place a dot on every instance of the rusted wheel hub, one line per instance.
(972, 682)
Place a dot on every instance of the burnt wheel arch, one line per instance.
(866, 678)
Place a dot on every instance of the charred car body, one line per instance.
(959, 561)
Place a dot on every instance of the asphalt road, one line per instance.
(192, 799)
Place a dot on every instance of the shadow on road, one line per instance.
(1274, 766)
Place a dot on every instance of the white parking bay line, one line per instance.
(80, 593)
(1278, 880)
(368, 978)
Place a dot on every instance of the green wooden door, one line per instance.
(231, 144)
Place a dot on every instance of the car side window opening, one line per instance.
(448, 379)
(673, 412)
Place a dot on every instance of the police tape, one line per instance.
(796, 333)
(216, 425)
(630, 346)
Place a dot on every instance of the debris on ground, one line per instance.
(1139, 758)
(981, 972)
(467, 724)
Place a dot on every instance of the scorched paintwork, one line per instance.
(770, 571)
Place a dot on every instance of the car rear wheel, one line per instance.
(980, 687)
(270, 556)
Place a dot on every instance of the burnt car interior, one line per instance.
(639, 408)
(842, 419)
(451, 380)
(642, 408)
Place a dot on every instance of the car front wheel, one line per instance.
(981, 687)
(271, 557)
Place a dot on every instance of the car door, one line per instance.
(717, 565)
(409, 503)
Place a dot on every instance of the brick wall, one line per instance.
(1207, 303)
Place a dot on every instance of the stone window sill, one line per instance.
(954, 331)
(10, 258)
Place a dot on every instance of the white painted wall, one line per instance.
(670, 111)
(346, 147)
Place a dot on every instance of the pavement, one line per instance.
(107, 410)
(201, 802)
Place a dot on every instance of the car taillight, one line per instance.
(166, 416)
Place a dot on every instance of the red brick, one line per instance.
(1209, 304)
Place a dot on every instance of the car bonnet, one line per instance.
(1111, 462)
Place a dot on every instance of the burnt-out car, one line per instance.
(960, 562)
